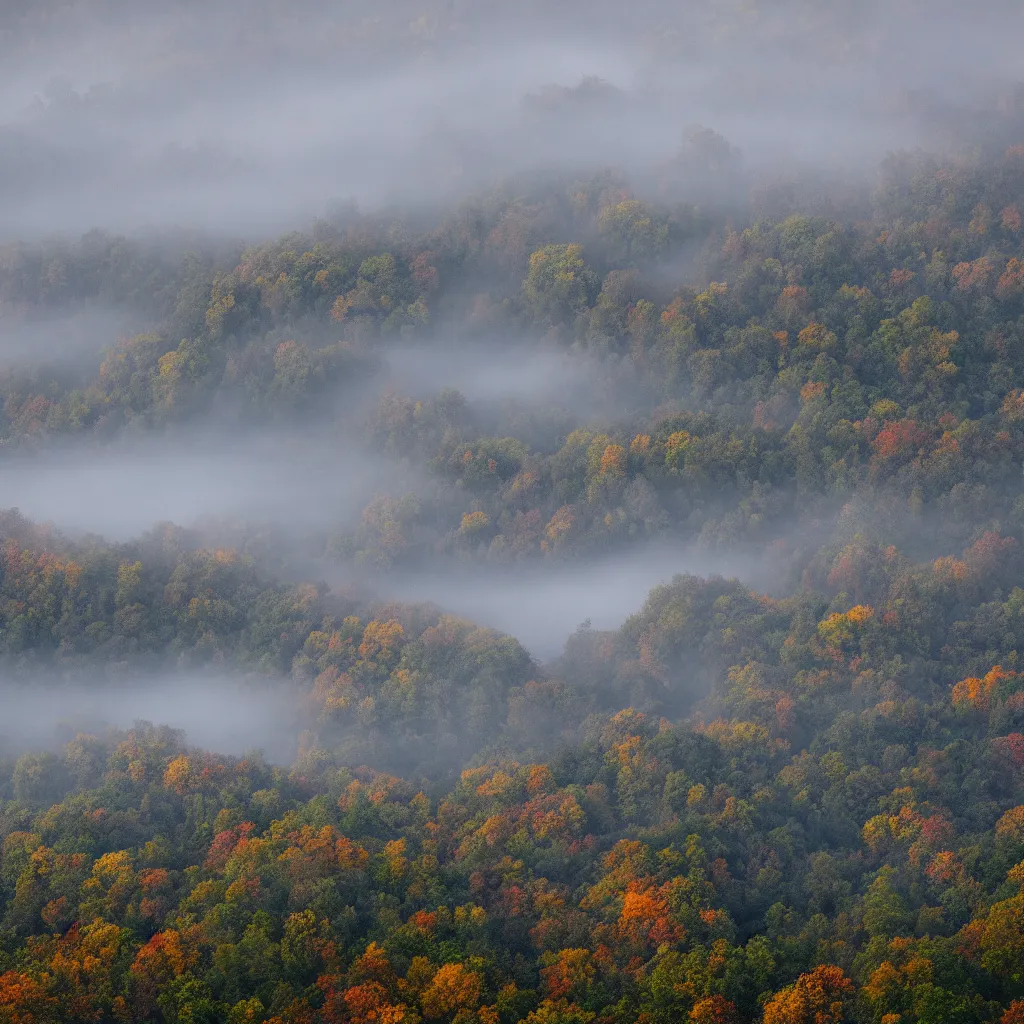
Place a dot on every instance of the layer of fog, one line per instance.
(255, 130)
(504, 380)
(541, 606)
(72, 339)
(215, 713)
(301, 481)
(491, 372)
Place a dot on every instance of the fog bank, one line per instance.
(217, 713)
(300, 481)
(542, 605)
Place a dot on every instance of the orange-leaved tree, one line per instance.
(822, 996)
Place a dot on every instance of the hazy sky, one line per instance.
(126, 116)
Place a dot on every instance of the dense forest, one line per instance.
(329, 471)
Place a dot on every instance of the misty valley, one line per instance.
(511, 512)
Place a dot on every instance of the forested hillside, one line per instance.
(367, 473)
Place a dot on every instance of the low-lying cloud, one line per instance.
(542, 605)
(73, 339)
(218, 713)
(300, 481)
